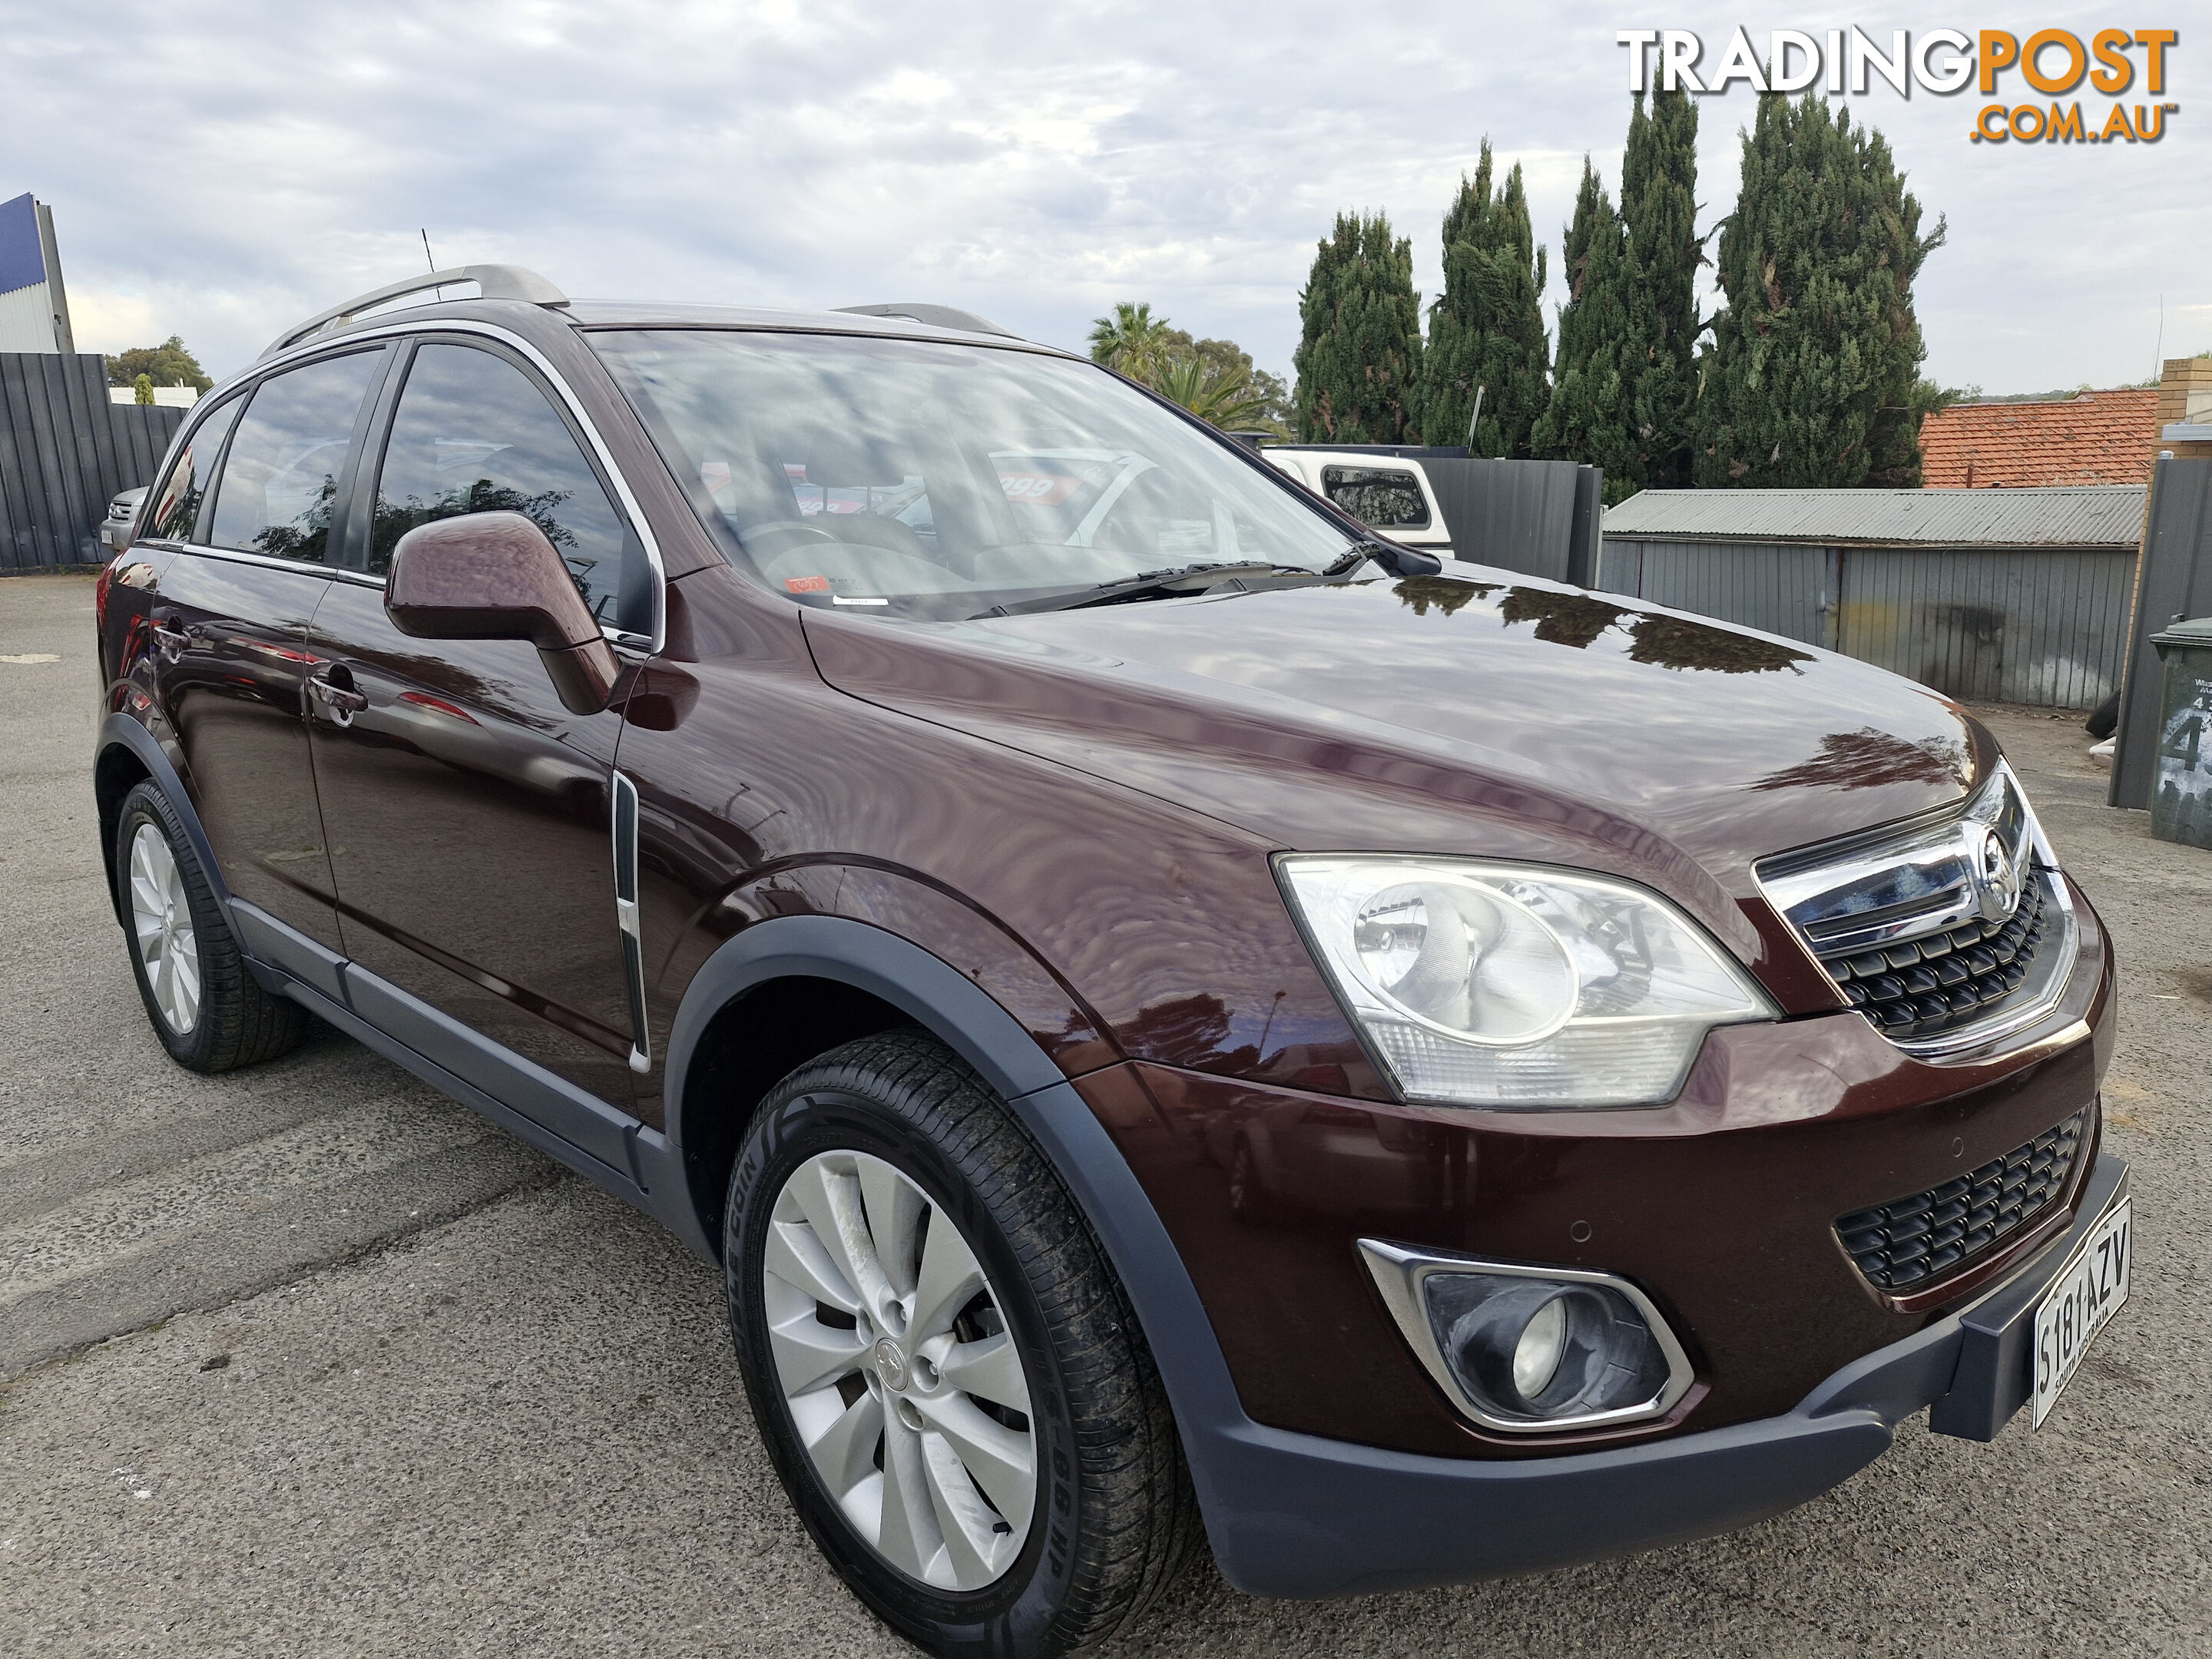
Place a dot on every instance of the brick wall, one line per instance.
(2185, 381)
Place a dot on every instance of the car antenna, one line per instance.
(434, 264)
(1471, 419)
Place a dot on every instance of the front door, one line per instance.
(230, 618)
(467, 811)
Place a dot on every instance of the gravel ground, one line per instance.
(309, 1360)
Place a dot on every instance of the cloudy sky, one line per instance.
(220, 168)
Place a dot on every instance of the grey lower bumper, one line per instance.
(1307, 1517)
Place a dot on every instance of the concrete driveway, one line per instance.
(309, 1360)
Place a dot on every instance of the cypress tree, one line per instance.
(1658, 206)
(1810, 380)
(1486, 329)
(1588, 417)
(1359, 352)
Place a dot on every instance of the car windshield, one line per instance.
(939, 480)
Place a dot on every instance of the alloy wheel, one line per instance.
(161, 925)
(898, 1370)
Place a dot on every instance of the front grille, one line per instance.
(1936, 983)
(1945, 930)
(1911, 1242)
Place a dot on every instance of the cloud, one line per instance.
(103, 321)
(239, 164)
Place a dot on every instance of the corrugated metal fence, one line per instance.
(2039, 625)
(1784, 587)
(64, 450)
(2035, 626)
(1536, 518)
(1539, 518)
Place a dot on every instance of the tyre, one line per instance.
(943, 1367)
(209, 1011)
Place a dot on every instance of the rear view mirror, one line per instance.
(496, 576)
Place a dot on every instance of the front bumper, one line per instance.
(1296, 1515)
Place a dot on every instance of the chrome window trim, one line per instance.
(1398, 1270)
(574, 406)
(613, 636)
(302, 566)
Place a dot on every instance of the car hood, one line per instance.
(1504, 717)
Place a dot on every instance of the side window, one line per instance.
(176, 507)
(280, 481)
(1383, 496)
(473, 433)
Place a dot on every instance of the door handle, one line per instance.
(170, 642)
(340, 702)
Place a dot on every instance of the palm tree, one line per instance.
(1217, 397)
(1131, 340)
(1212, 378)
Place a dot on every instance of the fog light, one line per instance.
(1536, 1355)
(1532, 1349)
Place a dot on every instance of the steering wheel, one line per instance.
(780, 527)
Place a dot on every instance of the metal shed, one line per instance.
(1988, 595)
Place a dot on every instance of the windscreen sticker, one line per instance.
(807, 584)
(1038, 488)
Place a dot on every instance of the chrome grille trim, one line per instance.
(1949, 930)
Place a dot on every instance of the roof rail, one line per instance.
(935, 316)
(496, 282)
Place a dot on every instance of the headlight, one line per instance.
(1510, 986)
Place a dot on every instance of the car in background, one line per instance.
(122, 514)
(1389, 492)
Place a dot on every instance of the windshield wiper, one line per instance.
(1198, 578)
(1398, 561)
(1150, 584)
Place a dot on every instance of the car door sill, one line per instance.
(584, 1131)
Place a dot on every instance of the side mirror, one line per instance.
(495, 576)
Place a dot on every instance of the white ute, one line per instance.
(1391, 493)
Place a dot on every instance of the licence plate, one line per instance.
(2088, 1292)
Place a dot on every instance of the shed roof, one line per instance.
(2094, 438)
(2106, 515)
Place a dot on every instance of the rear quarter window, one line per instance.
(1386, 497)
(176, 508)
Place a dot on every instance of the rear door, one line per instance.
(469, 813)
(248, 510)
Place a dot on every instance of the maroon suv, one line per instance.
(1167, 1008)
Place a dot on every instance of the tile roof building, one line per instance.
(2095, 438)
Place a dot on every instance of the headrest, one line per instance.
(846, 461)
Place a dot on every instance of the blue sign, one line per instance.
(21, 263)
